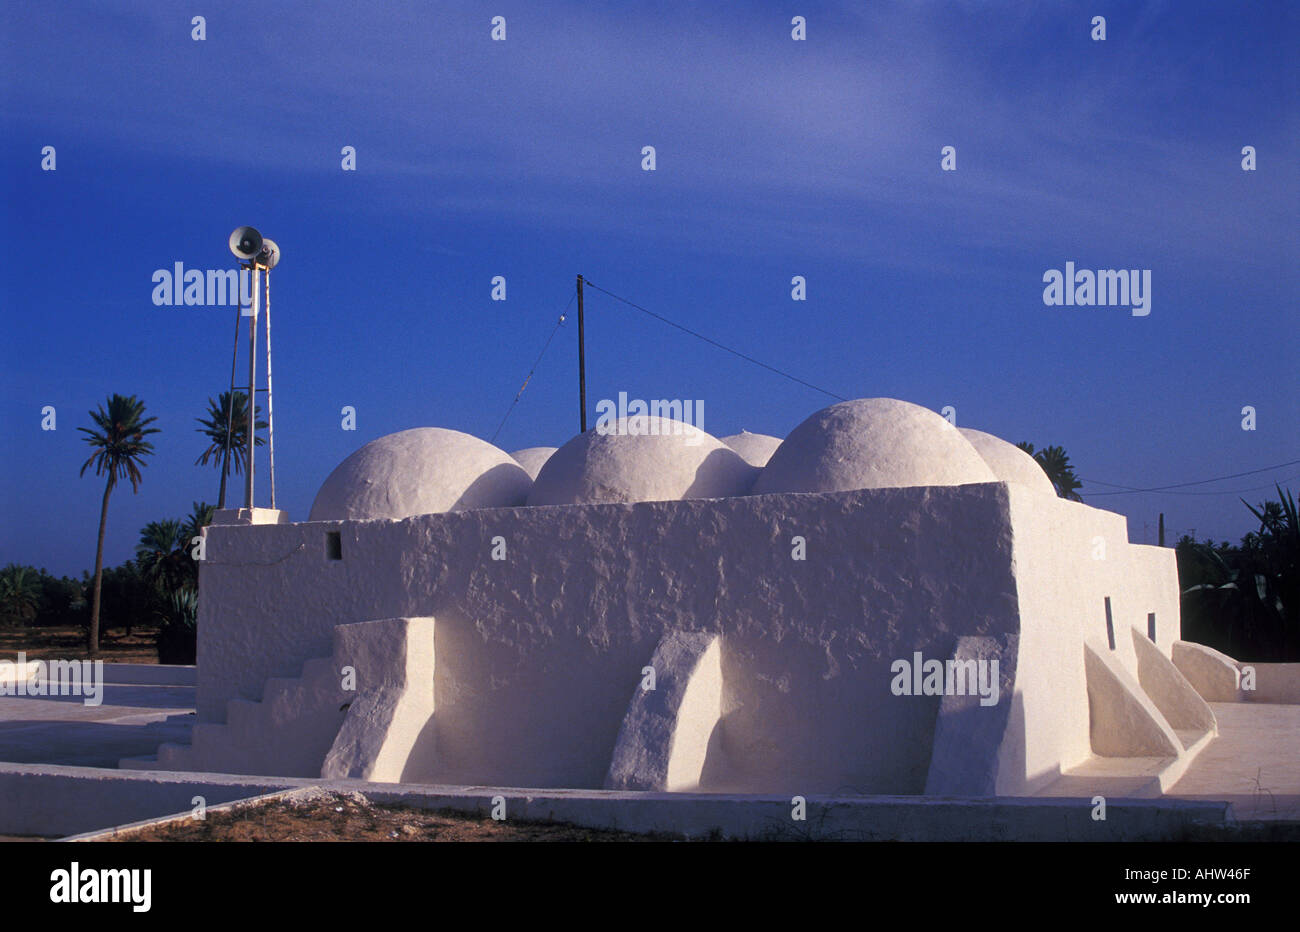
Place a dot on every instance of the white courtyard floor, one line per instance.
(132, 720)
(1253, 763)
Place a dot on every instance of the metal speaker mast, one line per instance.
(259, 255)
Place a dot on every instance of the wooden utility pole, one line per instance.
(1162, 529)
(582, 365)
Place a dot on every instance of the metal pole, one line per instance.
(252, 386)
(582, 364)
(230, 401)
(270, 405)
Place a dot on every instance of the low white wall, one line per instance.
(826, 818)
(44, 799)
(150, 674)
(1069, 558)
(1274, 682)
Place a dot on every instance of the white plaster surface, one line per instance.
(1069, 558)
(538, 654)
(533, 459)
(968, 736)
(1125, 722)
(1008, 462)
(387, 734)
(250, 516)
(663, 742)
(1179, 703)
(754, 449)
(1213, 674)
(157, 674)
(420, 471)
(288, 732)
(665, 460)
(872, 443)
(1275, 683)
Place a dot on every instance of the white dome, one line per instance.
(872, 443)
(665, 460)
(420, 472)
(533, 459)
(754, 449)
(1008, 462)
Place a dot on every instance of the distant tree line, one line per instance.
(157, 587)
(1244, 600)
(160, 584)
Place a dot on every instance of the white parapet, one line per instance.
(1214, 675)
(1176, 698)
(250, 516)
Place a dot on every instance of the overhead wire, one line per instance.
(1172, 489)
(712, 342)
(528, 378)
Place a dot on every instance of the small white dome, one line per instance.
(872, 443)
(754, 449)
(665, 460)
(1008, 462)
(418, 472)
(533, 459)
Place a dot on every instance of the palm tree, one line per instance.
(200, 517)
(229, 413)
(119, 450)
(19, 593)
(161, 554)
(1056, 463)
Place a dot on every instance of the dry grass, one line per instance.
(351, 817)
(68, 642)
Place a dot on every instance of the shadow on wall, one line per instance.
(554, 718)
(724, 462)
(509, 717)
(422, 763)
(1014, 778)
(487, 490)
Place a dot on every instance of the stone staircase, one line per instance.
(287, 734)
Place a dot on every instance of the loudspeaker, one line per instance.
(269, 257)
(246, 242)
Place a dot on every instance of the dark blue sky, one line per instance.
(775, 158)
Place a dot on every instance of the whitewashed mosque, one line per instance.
(880, 603)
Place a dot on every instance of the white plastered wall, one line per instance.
(538, 653)
(1069, 558)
